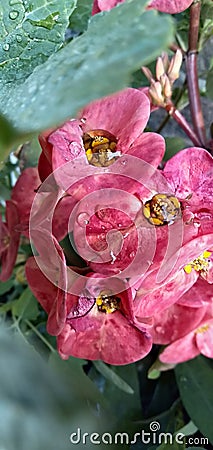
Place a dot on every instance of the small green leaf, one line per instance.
(26, 307)
(209, 84)
(93, 65)
(6, 286)
(110, 375)
(195, 383)
(80, 17)
(188, 429)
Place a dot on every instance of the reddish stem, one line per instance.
(182, 122)
(192, 74)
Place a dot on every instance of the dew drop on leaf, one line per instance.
(14, 2)
(6, 47)
(13, 15)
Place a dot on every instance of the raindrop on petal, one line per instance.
(83, 219)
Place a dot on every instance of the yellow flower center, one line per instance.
(107, 303)
(162, 209)
(202, 329)
(5, 241)
(200, 264)
(100, 148)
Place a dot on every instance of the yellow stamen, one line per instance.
(202, 329)
(107, 303)
(200, 264)
(188, 268)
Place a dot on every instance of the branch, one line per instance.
(192, 74)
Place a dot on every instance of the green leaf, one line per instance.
(93, 65)
(26, 307)
(171, 446)
(195, 383)
(39, 406)
(173, 146)
(188, 429)
(206, 21)
(80, 17)
(110, 375)
(8, 136)
(209, 84)
(30, 32)
(6, 286)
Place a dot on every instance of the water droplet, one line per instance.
(124, 162)
(83, 219)
(13, 15)
(18, 38)
(6, 47)
(14, 2)
(160, 330)
(74, 149)
(183, 379)
(132, 255)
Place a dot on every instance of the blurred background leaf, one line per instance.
(195, 383)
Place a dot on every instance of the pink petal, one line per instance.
(67, 143)
(190, 172)
(181, 350)
(60, 221)
(204, 340)
(23, 194)
(199, 295)
(124, 114)
(42, 288)
(161, 298)
(170, 6)
(175, 322)
(106, 5)
(8, 256)
(150, 147)
(112, 339)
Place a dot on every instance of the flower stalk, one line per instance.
(192, 74)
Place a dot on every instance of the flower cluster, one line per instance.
(166, 6)
(144, 236)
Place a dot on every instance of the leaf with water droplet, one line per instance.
(95, 64)
(40, 23)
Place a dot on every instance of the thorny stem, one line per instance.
(192, 74)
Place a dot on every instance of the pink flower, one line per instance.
(112, 127)
(166, 6)
(9, 240)
(23, 195)
(189, 175)
(106, 129)
(186, 326)
(97, 324)
(196, 342)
